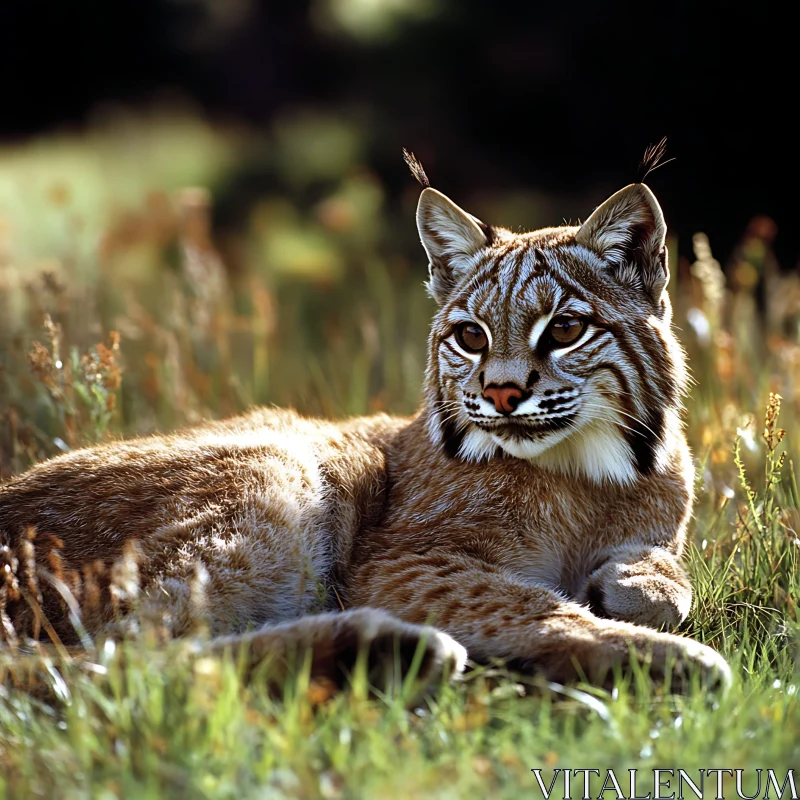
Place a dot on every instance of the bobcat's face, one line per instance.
(553, 346)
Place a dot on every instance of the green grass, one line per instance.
(157, 726)
(321, 307)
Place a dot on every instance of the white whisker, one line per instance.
(624, 413)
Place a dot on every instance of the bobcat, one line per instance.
(534, 510)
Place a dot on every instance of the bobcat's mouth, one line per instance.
(524, 433)
(527, 426)
(548, 415)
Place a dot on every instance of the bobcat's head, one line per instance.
(553, 346)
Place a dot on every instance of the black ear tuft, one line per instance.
(652, 159)
(417, 170)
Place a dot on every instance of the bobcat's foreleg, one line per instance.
(532, 628)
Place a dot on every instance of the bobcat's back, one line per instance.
(251, 507)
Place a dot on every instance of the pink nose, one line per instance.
(505, 398)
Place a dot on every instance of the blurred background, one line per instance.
(203, 203)
(552, 103)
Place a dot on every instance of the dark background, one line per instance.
(557, 96)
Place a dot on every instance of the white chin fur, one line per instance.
(477, 446)
(597, 451)
(531, 449)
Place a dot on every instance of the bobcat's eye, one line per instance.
(471, 336)
(565, 330)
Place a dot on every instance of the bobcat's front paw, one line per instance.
(338, 645)
(390, 644)
(652, 591)
(666, 658)
(680, 658)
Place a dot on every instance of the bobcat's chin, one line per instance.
(593, 449)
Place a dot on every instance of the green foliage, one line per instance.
(747, 582)
(141, 722)
(314, 299)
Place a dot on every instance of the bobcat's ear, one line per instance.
(628, 232)
(451, 238)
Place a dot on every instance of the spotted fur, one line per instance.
(533, 510)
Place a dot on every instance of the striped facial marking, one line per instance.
(554, 346)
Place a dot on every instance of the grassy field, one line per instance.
(120, 314)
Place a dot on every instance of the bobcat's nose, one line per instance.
(505, 398)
